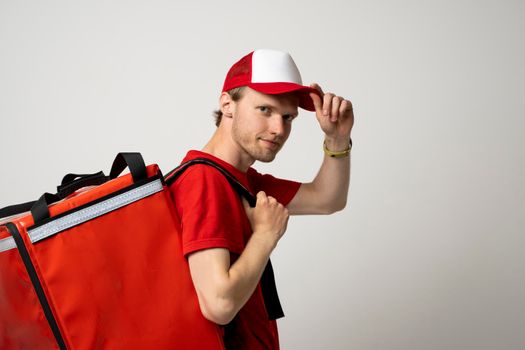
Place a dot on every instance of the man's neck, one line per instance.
(222, 146)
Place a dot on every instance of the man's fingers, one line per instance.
(317, 99)
(261, 197)
(317, 87)
(345, 107)
(327, 103)
(336, 103)
(318, 104)
(272, 200)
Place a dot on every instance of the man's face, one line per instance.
(262, 123)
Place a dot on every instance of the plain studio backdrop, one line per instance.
(429, 252)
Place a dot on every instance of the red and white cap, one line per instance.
(269, 72)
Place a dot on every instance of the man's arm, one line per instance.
(328, 192)
(222, 289)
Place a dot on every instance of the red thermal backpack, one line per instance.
(99, 265)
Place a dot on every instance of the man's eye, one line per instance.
(264, 109)
(288, 118)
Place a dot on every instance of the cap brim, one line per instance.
(305, 101)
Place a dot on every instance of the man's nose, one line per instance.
(277, 125)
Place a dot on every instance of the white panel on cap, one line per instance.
(270, 66)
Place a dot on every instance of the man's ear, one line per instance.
(227, 105)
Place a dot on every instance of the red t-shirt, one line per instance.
(212, 216)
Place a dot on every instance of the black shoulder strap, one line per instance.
(269, 289)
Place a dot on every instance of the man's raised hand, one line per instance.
(334, 114)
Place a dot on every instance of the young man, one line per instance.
(227, 243)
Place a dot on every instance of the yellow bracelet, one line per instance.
(338, 154)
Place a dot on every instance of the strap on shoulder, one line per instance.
(173, 175)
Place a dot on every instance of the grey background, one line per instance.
(429, 252)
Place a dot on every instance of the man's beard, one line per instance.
(254, 147)
(258, 152)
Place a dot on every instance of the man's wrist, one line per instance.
(337, 145)
(264, 241)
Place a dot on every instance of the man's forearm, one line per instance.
(246, 272)
(222, 288)
(332, 182)
(328, 192)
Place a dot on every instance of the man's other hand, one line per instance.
(268, 219)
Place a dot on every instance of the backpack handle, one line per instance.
(131, 160)
(39, 209)
(72, 182)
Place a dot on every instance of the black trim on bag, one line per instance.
(24, 254)
(98, 200)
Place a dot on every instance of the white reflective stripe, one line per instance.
(94, 211)
(7, 244)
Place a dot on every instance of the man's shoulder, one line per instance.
(208, 167)
(199, 175)
(201, 186)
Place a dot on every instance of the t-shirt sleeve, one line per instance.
(210, 211)
(281, 189)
